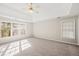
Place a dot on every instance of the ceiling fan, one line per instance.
(32, 8)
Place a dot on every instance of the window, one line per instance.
(15, 29)
(5, 29)
(68, 29)
(18, 29)
(11, 29)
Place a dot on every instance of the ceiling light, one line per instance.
(32, 7)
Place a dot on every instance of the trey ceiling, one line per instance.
(44, 11)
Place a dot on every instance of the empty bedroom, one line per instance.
(39, 29)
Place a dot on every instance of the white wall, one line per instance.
(47, 29)
(51, 29)
(28, 27)
(74, 9)
(77, 30)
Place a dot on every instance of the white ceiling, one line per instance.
(44, 11)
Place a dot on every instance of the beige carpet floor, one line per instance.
(38, 47)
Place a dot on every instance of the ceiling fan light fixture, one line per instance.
(31, 8)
